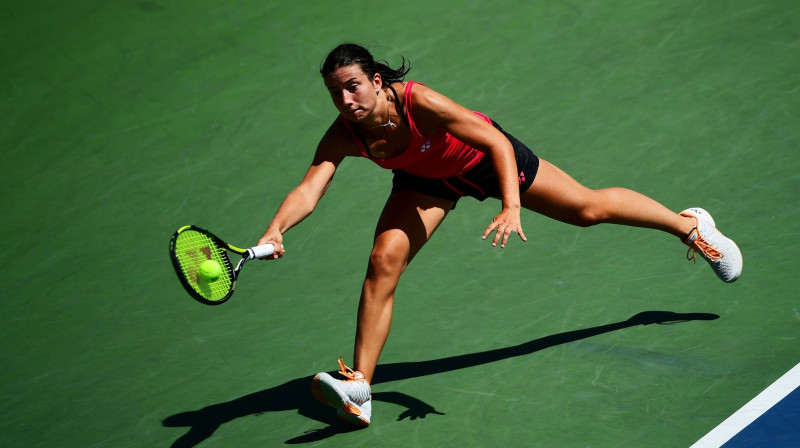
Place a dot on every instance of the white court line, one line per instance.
(776, 392)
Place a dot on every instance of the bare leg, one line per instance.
(557, 195)
(407, 222)
(409, 219)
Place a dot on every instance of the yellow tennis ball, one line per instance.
(210, 270)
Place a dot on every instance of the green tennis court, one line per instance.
(123, 121)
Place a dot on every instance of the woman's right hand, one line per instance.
(276, 239)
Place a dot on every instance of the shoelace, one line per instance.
(347, 372)
(703, 246)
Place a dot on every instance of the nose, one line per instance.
(347, 97)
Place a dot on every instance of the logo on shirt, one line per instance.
(426, 146)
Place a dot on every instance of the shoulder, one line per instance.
(432, 110)
(337, 142)
(416, 91)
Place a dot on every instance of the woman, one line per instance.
(440, 151)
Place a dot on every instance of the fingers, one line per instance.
(502, 231)
(277, 242)
(502, 237)
(279, 251)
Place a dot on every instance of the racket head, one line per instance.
(188, 248)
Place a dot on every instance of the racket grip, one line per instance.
(262, 251)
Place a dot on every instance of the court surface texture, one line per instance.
(122, 121)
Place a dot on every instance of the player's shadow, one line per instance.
(295, 394)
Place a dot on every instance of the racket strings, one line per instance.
(193, 248)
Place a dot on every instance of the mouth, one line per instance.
(357, 113)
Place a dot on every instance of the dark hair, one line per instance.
(353, 54)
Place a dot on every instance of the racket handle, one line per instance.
(262, 251)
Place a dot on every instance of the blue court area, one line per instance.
(771, 419)
(779, 427)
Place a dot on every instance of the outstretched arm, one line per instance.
(302, 200)
(435, 110)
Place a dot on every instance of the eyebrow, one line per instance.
(343, 83)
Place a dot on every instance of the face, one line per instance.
(353, 92)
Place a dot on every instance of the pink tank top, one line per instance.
(438, 156)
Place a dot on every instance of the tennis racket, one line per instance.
(190, 246)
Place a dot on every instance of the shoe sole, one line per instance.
(351, 414)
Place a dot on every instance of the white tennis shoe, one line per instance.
(718, 250)
(351, 396)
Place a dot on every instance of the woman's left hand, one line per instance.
(503, 225)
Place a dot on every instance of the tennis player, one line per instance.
(440, 151)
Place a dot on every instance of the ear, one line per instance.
(377, 81)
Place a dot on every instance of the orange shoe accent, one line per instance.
(699, 244)
(316, 391)
(349, 373)
(352, 410)
(352, 415)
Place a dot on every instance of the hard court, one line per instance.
(122, 121)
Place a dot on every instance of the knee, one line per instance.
(593, 209)
(387, 258)
(590, 215)
(603, 206)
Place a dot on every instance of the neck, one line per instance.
(387, 114)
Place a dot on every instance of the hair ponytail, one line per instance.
(353, 54)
